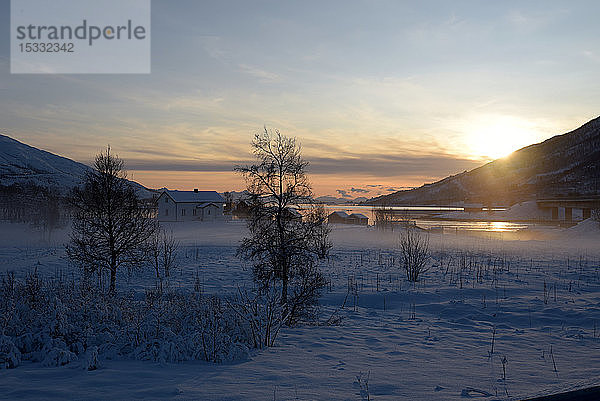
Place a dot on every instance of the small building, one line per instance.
(359, 219)
(338, 218)
(345, 218)
(241, 208)
(190, 205)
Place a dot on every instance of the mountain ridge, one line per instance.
(25, 164)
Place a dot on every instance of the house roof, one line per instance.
(358, 216)
(340, 214)
(293, 212)
(195, 197)
(205, 204)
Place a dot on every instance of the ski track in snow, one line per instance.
(428, 341)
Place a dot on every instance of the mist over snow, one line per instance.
(425, 341)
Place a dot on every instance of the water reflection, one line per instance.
(492, 226)
(425, 217)
(501, 226)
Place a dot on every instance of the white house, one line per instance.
(190, 205)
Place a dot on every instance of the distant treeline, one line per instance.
(30, 203)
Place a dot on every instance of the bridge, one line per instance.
(567, 205)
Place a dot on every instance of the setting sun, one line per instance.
(494, 137)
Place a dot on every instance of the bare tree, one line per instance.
(228, 209)
(414, 247)
(43, 207)
(163, 253)
(284, 245)
(384, 217)
(595, 212)
(110, 227)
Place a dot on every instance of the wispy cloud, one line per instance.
(213, 46)
(261, 74)
(530, 20)
(391, 165)
(591, 55)
(376, 165)
(344, 193)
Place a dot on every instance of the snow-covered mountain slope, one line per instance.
(564, 165)
(21, 164)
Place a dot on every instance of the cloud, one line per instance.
(384, 167)
(344, 193)
(213, 46)
(371, 165)
(263, 75)
(535, 19)
(183, 165)
(593, 56)
(391, 165)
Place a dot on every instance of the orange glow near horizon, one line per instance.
(220, 181)
(323, 184)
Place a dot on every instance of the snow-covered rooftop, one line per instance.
(195, 196)
(205, 204)
(358, 216)
(341, 214)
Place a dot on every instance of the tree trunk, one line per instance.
(282, 254)
(113, 280)
(284, 287)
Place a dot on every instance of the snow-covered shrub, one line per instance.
(159, 351)
(262, 315)
(90, 361)
(32, 290)
(58, 357)
(220, 330)
(56, 322)
(7, 300)
(414, 248)
(10, 356)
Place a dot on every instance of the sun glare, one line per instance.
(496, 137)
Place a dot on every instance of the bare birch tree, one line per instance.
(284, 245)
(163, 249)
(110, 227)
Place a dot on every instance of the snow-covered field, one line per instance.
(538, 302)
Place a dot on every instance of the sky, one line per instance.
(382, 95)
